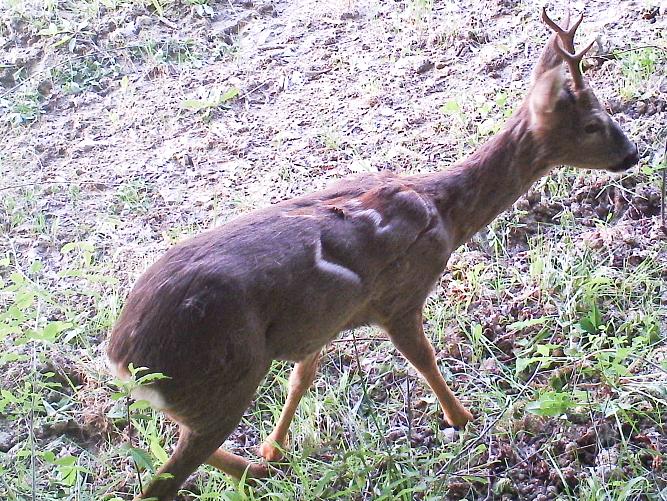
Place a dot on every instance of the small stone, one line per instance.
(345, 16)
(386, 111)
(449, 435)
(143, 21)
(640, 107)
(226, 29)
(7, 76)
(606, 464)
(395, 435)
(266, 9)
(129, 30)
(616, 106)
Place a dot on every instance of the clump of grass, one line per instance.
(133, 196)
(638, 67)
(21, 108)
(83, 74)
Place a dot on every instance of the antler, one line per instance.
(565, 47)
(565, 36)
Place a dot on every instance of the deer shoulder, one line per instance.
(379, 223)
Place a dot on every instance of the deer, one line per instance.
(281, 282)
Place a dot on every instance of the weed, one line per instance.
(638, 66)
(171, 50)
(214, 99)
(133, 196)
(419, 10)
(202, 7)
(330, 139)
(21, 108)
(84, 74)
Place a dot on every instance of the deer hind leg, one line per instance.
(236, 466)
(191, 450)
(407, 334)
(299, 381)
(207, 417)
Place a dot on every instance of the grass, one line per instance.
(24, 107)
(549, 324)
(638, 67)
(595, 322)
(84, 64)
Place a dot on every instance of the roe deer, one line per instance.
(279, 283)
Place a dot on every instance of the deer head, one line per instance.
(566, 117)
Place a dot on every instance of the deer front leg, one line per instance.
(299, 381)
(407, 334)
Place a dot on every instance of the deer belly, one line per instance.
(313, 317)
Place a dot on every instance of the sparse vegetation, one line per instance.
(130, 124)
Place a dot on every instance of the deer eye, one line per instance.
(592, 128)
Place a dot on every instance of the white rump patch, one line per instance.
(333, 268)
(151, 395)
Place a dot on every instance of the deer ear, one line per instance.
(548, 90)
(549, 58)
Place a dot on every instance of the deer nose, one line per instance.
(630, 159)
(633, 157)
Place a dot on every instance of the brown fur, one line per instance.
(214, 311)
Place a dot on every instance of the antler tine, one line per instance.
(565, 35)
(571, 30)
(551, 24)
(573, 62)
(568, 16)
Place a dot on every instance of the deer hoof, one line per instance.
(270, 452)
(459, 420)
(258, 470)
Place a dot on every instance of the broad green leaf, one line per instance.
(140, 456)
(588, 326)
(551, 403)
(451, 107)
(50, 332)
(523, 363)
(157, 449)
(140, 405)
(230, 94)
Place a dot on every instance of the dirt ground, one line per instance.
(130, 125)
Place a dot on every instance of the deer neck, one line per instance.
(473, 192)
